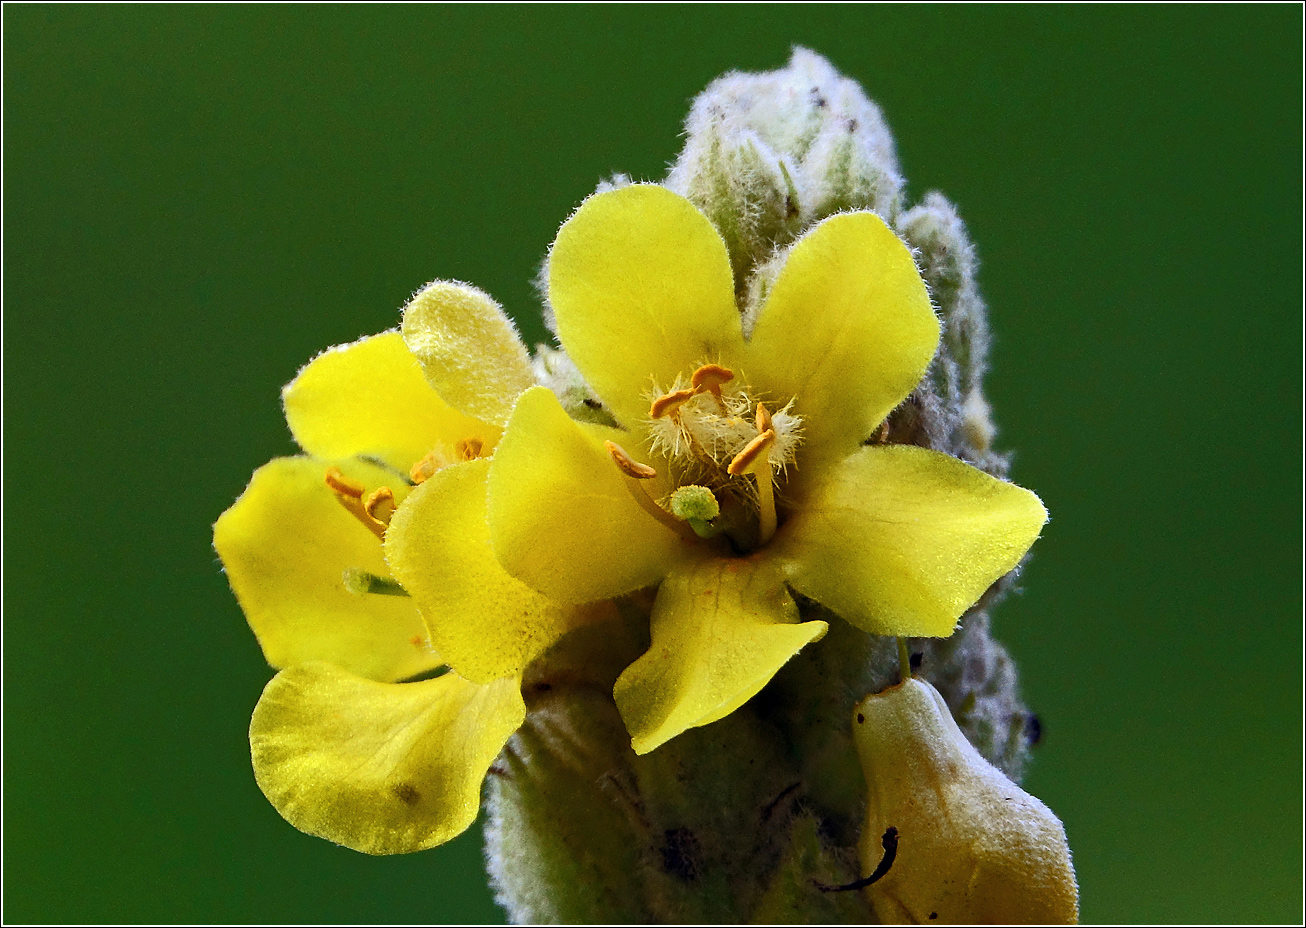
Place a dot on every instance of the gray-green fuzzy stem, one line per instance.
(744, 819)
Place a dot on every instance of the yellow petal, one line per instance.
(286, 544)
(721, 629)
(973, 848)
(370, 398)
(641, 287)
(484, 623)
(468, 348)
(847, 329)
(902, 541)
(382, 768)
(562, 518)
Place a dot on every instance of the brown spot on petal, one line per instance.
(406, 793)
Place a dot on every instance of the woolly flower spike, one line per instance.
(971, 846)
(896, 539)
(317, 553)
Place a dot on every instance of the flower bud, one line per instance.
(768, 155)
(972, 847)
(738, 182)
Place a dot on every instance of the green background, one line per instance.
(198, 200)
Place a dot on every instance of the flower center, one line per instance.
(726, 452)
(375, 511)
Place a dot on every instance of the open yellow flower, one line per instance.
(744, 466)
(391, 424)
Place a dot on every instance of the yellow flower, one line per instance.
(774, 413)
(971, 846)
(340, 747)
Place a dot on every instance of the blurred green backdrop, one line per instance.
(197, 200)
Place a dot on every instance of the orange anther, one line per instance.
(470, 449)
(628, 465)
(350, 495)
(753, 456)
(342, 485)
(763, 419)
(425, 469)
(639, 491)
(381, 505)
(709, 378)
(670, 402)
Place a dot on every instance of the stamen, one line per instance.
(629, 466)
(763, 419)
(670, 402)
(470, 449)
(755, 459)
(635, 474)
(342, 485)
(381, 505)
(708, 379)
(350, 495)
(425, 469)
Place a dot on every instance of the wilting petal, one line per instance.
(468, 348)
(562, 518)
(382, 768)
(721, 629)
(973, 848)
(847, 330)
(902, 541)
(370, 398)
(286, 544)
(484, 623)
(641, 286)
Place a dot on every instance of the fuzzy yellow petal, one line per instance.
(370, 398)
(973, 847)
(721, 629)
(901, 541)
(562, 518)
(468, 348)
(286, 544)
(641, 286)
(380, 768)
(484, 623)
(847, 329)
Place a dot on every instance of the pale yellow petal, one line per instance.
(902, 541)
(468, 348)
(380, 768)
(286, 544)
(562, 518)
(483, 622)
(641, 287)
(721, 629)
(973, 848)
(847, 330)
(370, 398)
